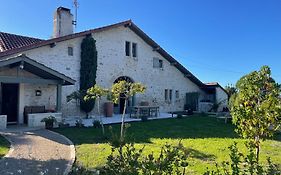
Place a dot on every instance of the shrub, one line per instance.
(179, 116)
(130, 161)
(241, 164)
(79, 123)
(144, 118)
(49, 122)
(96, 124)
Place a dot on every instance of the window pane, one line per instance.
(171, 94)
(134, 49)
(157, 63)
(70, 51)
(166, 94)
(177, 94)
(160, 63)
(127, 48)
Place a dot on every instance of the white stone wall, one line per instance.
(27, 97)
(221, 96)
(3, 122)
(112, 63)
(48, 95)
(34, 120)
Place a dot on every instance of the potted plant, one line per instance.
(108, 106)
(49, 122)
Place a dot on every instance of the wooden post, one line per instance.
(59, 87)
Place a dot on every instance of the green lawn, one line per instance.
(205, 137)
(4, 146)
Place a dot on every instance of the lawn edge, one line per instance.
(72, 153)
(11, 149)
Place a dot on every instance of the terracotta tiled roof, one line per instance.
(11, 41)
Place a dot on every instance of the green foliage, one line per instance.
(216, 106)
(179, 116)
(95, 92)
(114, 139)
(131, 161)
(96, 124)
(88, 71)
(76, 95)
(4, 146)
(79, 123)
(230, 89)
(241, 164)
(127, 89)
(256, 107)
(50, 119)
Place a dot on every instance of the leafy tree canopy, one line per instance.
(256, 107)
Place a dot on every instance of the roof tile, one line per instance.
(11, 41)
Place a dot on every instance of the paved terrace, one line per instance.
(111, 120)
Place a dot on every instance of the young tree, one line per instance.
(88, 71)
(96, 92)
(256, 107)
(127, 90)
(230, 89)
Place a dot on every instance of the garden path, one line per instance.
(37, 152)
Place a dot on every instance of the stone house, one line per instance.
(36, 72)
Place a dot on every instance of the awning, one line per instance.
(46, 74)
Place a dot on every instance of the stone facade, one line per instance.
(34, 120)
(3, 122)
(222, 97)
(112, 64)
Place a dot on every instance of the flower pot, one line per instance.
(108, 109)
(49, 125)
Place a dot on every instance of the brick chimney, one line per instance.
(62, 22)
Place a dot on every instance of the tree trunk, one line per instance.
(257, 144)
(122, 124)
(100, 116)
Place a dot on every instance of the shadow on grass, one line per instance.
(142, 132)
(193, 153)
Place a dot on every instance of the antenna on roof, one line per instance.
(75, 3)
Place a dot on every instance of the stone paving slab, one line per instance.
(37, 152)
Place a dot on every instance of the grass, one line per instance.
(206, 138)
(4, 146)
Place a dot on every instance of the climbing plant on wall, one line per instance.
(88, 71)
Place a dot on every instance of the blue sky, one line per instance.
(217, 40)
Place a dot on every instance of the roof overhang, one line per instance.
(47, 74)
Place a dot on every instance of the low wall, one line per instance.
(34, 120)
(205, 106)
(3, 122)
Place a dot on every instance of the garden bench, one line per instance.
(32, 110)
